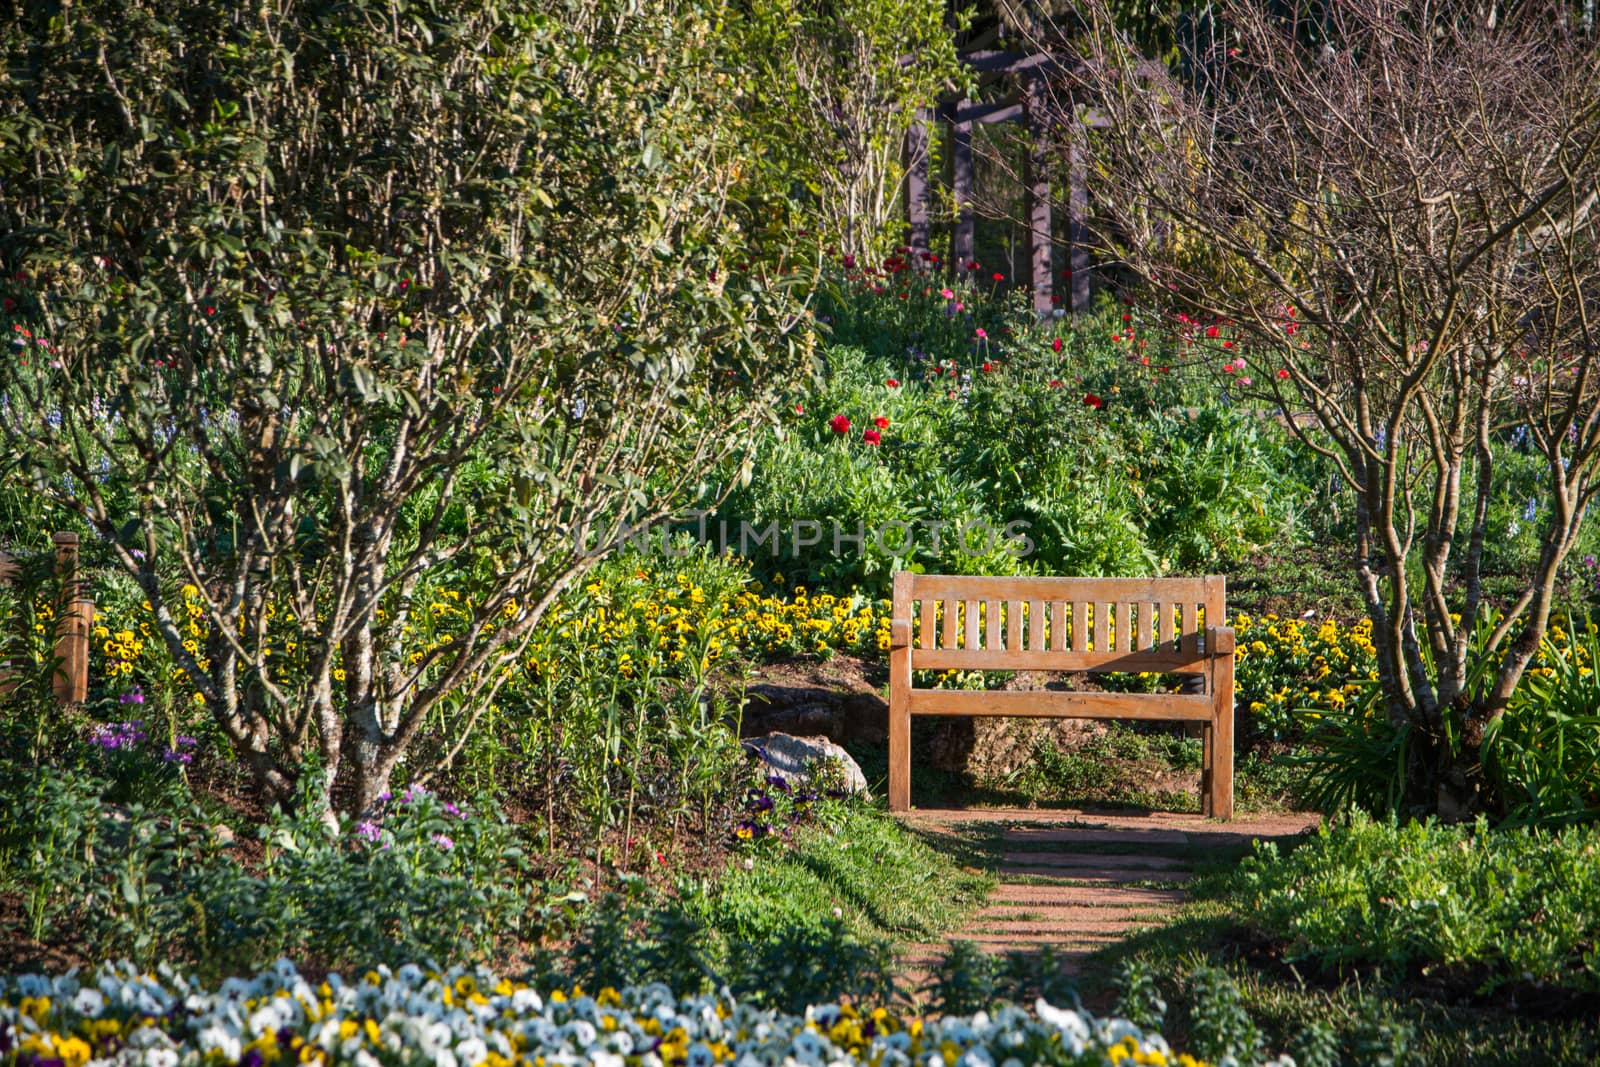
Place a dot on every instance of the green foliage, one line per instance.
(1139, 998)
(1219, 1023)
(1425, 895)
(1039, 447)
(316, 322)
(831, 91)
(428, 880)
(965, 980)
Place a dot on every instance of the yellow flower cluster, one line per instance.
(1290, 665)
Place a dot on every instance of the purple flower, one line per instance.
(368, 830)
(451, 809)
(118, 736)
(414, 794)
(778, 782)
(759, 803)
(443, 842)
(132, 696)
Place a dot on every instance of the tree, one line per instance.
(1389, 215)
(352, 304)
(835, 87)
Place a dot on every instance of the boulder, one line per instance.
(792, 758)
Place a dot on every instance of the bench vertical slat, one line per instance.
(991, 624)
(1124, 627)
(926, 638)
(900, 695)
(1146, 618)
(1102, 640)
(952, 612)
(1218, 800)
(1036, 626)
(1058, 626)
(971, 639)
(1014, 625)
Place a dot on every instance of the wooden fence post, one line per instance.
(1078, 211)
(961, 188)
(917, 188)
(74, 620)
(1038, 178)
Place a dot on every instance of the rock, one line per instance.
(223, 833)
(791, 758)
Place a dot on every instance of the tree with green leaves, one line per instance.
(336, 307)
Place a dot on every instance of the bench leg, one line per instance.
(900, 696)
(1217, 778)
(899, 759)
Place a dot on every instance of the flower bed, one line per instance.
(472, 1019)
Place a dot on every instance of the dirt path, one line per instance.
(1078, 881)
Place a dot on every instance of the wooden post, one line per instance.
(900, 695)
(1217, 759)
(917, 189)
(961, 188)
(1078, 213)
(1038, 178)
(74, 618)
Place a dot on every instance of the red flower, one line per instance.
(849, 262)
(972, 264)
(799, 409)
(1055, 383)
(893, 383)
(871, 437)
(999, 277)
(1093, 401)
(10, 303)
(1212, 331)
(1056, 345)
(1227, 344)
(881, 422)
(987, 366)
(840, 424)
(1283, 372)
(210, 310)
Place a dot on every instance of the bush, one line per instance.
(1425, 895)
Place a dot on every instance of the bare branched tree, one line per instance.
(1391, 214)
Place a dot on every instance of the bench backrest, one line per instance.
(1060, 624)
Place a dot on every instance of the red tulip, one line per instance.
(871, 437)
(840, 425)
(1056, 344)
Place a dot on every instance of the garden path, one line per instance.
(1078, 881)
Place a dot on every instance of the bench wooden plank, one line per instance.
(1062, 705)
(966, 587)
(1014, 625)
(983, 659)
(951, 613)
(1058, 627)
(925, 639)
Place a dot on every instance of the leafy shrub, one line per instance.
(426, 879)
(1219, 1024)
(1424, 894)
(965, 981)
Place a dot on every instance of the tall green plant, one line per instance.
(286, 270)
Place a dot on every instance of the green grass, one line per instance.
(885, 881)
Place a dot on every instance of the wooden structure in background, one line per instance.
(74, 622)
(1161, 625)
(1032, 107)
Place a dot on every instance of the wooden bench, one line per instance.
(74, 622)
(1163, 625)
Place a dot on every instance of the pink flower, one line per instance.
(981, 334)
(947, 294)
(840, 425)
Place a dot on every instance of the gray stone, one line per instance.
(791, 758)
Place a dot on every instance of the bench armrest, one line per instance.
(900, 633)
(1219, 640)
